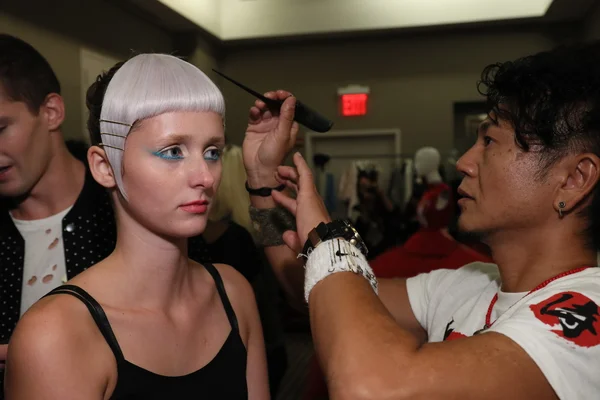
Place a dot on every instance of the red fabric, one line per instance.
(425, 251)
(435, 208)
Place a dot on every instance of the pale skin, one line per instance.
(163, 308)
(372, 346)
(32, 145)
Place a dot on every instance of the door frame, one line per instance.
(312, 136)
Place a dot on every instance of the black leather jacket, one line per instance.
(89, 235)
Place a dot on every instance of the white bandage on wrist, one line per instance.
(336, 255)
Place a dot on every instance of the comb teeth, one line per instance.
(272, 104)
(303, 115)
(246, 88)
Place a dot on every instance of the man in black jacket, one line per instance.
(55, 220)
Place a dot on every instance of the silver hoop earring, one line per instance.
(561, 205)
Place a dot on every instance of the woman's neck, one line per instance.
(155, 270)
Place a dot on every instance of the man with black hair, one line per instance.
(526, 328)
(55, 221)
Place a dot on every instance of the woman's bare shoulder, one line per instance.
(53, 341)
(235, 283)
(59, 323)
(239, 291)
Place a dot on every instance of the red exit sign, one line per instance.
(354, 104)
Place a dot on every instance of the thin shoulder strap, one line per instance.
(223, 294)
(97, 313)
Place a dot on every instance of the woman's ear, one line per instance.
(100, 167)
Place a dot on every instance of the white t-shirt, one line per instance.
(558, 326)
(44, 268)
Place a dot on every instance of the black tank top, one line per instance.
(224, 377)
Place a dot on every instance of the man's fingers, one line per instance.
(286, 202)
(288, 173)
(277, 95)
(292, 186)
(292, 240)
(287, 182)
(286, 116)
(283, 94)
(293, 136)
(305, 179)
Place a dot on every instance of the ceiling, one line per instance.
(239, 20)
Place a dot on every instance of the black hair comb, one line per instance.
(303, 115)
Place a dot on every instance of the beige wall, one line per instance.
(204, 57)
(414, 81)
(59, 30)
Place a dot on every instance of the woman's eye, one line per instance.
(487, 140)
(172, 153)
(212, 154)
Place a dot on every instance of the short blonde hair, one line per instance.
(232, 200)
(148, 85)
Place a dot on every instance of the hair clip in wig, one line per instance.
(114, 122)
(108, 145)
(113, 134)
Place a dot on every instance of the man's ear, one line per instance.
(54, 111)
(581, 175)
(100, 167)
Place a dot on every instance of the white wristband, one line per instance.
(336, 255)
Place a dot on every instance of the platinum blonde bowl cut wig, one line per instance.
(146, 86)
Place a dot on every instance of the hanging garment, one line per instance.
(408, 181)
(347, 189)
(436, 207)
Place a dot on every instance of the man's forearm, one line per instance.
(356, 336)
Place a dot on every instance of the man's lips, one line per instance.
(462, 193)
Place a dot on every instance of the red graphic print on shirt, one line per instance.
(574, 316)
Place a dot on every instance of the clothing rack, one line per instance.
(366, 156)
(370, 156)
